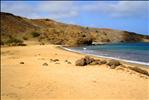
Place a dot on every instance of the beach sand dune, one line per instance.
(29, 73)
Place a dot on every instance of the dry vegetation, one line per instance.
(46, 30)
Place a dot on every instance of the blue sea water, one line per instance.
(134, 52)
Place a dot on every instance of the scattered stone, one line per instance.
(81, 62)
(113, 64)
(113, 67)
(68, 62)
(21, 62)
(45, 64)
(42, 43)
(51, 59)
(94, 63)
(103, 62)
(88, 59)
(55, 60)
(55, 53)
(139, 70)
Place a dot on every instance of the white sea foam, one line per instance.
(130, 61)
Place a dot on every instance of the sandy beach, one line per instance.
(61, 80)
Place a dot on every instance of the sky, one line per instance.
(122, 15)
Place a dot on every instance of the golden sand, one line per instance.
(62, 81)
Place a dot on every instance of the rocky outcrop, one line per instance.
(87, 60)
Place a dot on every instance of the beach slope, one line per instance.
(27, 73)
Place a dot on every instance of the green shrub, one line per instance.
(25, 38)
(14, 42)
(35, 34)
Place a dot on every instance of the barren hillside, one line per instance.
(50, 31)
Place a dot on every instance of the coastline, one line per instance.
(106, 57)
(61, 80)
(134, 63)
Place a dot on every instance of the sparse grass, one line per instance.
(60, 33)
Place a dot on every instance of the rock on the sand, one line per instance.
(139, 70)
(45, 64)
(113, 64)
(22, 62)
(81, 62)
(103, 62)
(84, 61)
(56, 60)
(96, 62)
(88, 59)
(68, 62)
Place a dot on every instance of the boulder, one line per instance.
(81, 62)
(95, 62)
(103, 62)
(113, 64)
(88, 59)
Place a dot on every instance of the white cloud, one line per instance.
(42, 9)
(59, 9)
(68, 9)
(120, 9)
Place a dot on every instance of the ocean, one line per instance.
(129, 52)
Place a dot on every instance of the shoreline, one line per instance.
(136, 63)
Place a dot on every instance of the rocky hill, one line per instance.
(50, 31)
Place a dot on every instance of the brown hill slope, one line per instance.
(47, 30)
